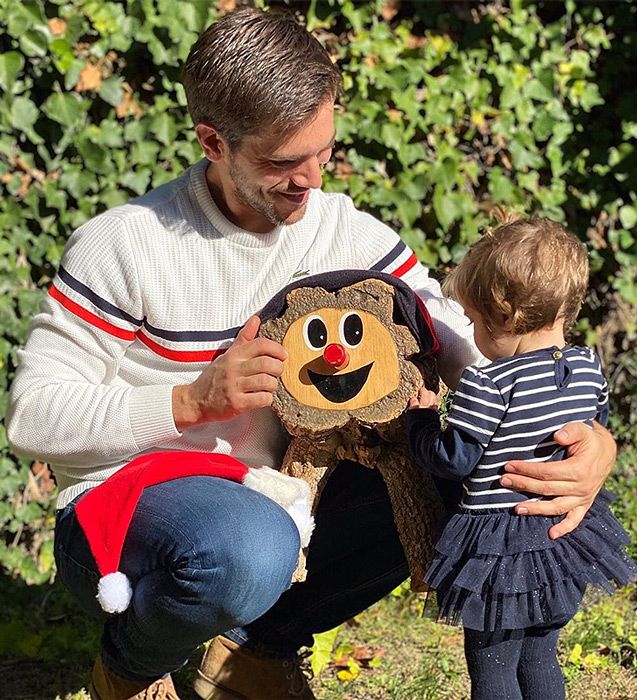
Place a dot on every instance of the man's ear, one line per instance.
(212, 143)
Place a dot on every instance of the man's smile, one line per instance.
(296, 197)
(339, 388)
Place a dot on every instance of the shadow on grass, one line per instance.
(48, 645)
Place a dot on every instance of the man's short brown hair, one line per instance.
(254, 71)
(523, 276)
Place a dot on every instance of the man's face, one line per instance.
(271, 179)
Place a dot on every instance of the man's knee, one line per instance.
(258, 559)
(211, 551)
(244, 565)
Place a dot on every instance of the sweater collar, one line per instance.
(227, 229)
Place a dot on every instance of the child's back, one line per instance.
(515, 405)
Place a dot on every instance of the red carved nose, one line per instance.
(336, 356)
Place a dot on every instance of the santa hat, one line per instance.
(105, 512)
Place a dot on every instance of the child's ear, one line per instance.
(507, 325)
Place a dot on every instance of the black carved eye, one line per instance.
(315, 333)
(351, 329)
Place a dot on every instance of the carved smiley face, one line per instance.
(339, 359)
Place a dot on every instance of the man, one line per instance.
(147, 340)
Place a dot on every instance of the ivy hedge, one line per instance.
(449, 110)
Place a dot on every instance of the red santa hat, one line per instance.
(105, 512)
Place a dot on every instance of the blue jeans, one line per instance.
(207, 556)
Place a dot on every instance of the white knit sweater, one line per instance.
(148, 293)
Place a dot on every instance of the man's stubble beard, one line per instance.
(251, 198)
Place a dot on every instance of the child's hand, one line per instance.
(426, 399)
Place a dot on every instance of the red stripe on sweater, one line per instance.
(179, 355)
(406, 266)
(87, 316)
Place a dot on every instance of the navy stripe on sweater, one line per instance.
(390, 257)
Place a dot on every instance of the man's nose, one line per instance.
(308, 174)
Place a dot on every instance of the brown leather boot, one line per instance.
(107, 686)
(229, 672)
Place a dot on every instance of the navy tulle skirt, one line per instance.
(498, 570)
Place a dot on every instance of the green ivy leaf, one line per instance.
(164, 129)
(62, 50)
(446, 207)
(11, 64)
(34, 43)
(23, 113)
(64, 108)
(111, 90)
(95, 156)
(137, 181)
(628, 216)
(500, 186)
(322, 649)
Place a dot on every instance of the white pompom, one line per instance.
(114, 592)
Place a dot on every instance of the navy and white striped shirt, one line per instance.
(506, 410)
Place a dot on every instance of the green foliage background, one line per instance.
(449, 109)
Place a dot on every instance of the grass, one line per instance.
(423, 660)
(416, 659)
(390, 652)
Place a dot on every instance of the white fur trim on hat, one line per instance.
(114, 592)
(301, 513)
(292, 494)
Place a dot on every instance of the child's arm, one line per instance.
(476, 411)
(450, 454)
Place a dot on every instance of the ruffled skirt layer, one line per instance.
(498, 570)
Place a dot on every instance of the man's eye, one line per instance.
(283, 164)
(324, 156)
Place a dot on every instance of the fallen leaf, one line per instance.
(343, 170)
(90, 78)
(42, 473)
(365, 652)
(25, 180)
(128, 104)
(390, 9)
(416, 42)
(341, 661)
(57, 26)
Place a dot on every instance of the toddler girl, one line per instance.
(498, 573)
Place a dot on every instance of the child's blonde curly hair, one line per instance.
(523, 276)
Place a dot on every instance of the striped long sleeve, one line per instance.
(68, 378)
(509, 409)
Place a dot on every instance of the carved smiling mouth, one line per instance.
(339, 388)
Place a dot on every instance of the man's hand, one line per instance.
(243, 378)
(574, 481)
(425, 399)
